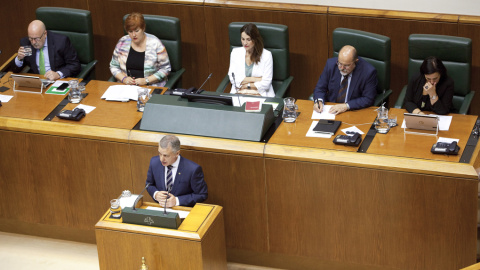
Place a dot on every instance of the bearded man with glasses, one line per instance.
(51, 54)
(347, 80)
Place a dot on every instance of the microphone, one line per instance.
(236, 88)
(200, 88)
(165, 206)
(138, 198)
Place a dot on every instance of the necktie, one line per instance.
(343, 90)
(42, 62)
(169, 178)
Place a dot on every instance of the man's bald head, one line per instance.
(37, 30)
(347, 58)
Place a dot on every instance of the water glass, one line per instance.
(143, 97)
(75, 95)
(382, 125)
(392, 120)
(289, 110)
(27, 50)
(115, 209)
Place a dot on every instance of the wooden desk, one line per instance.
(28, 105)
(199, 242)
(294, 133)
(107, 113)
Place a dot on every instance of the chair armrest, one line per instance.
(383, 97)
(280, 93)
(223, 84)
(174, 77)
(401, 98)
(87, 69)
(466, 103)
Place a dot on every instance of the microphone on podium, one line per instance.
(139, 196)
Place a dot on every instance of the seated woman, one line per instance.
(431, 90)
(251, 66)
(139, 58)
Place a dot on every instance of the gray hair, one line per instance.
(171, 140)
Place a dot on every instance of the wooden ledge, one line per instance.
(377, 13)
(209, 144)
(64, 129)
(268, 6)
(183, 2)
(469, 19)
(388, 163)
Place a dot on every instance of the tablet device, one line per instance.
(24, 83)
(421, 121)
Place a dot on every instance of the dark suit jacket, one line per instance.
(444, 89)
(363, 85)
(61, 53)
(189, 185)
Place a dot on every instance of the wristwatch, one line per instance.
(147, 81)
(248, 86)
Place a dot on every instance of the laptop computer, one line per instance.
(428, 123)
(30, 84)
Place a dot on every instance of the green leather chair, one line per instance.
(77, 25)
(373, 48)
(275, 39)
(456, 55)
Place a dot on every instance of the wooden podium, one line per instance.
(199, 242)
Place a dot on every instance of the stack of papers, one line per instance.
(121, 93)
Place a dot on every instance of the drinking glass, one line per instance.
(143, 97)
(289, 110)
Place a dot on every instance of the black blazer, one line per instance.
(445, 90)
(61, 54)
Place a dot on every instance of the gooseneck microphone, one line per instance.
(165, 206)
(208, 78)
(138, 198)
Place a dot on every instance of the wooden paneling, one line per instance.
(372, 217)
(473, 31)
(108, 29)
(308, 51)
(16, 15)
(237, 183)
(398, 31)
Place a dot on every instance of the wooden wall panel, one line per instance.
(39, 167)
(398, 31)
(237, 183)
(473, 31)
(307, 37)
(108, 28)
(16, 15)
(370, 217)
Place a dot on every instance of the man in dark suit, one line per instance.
(170, 171)
(348, 80)
(52, 54)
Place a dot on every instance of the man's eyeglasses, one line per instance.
(342, 65)
(37, 39)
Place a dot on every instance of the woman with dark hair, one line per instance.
(251, 66)
(431, 90)
(139, 58)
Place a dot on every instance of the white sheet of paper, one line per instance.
(181, 214)
(87, 108)
(311, 133)
(447, 140)
(353, 128)
(324, 114)
(121, 93)
(5, 98)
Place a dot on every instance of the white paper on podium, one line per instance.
(311, 133)
(181, 214)
(324, 114)
(121, 93)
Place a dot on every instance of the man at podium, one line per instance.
(174, 178)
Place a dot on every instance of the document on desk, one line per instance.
(181, 214)
(86, 108)
(324, 114)
(5, 98)
(311, 133)
(121, 93)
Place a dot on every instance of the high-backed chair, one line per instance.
(77, 25)
(167, 29)
(456, 55)
(275, 39)
(373, 48)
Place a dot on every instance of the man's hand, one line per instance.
(318, 106)
(339, 108)
(52, 75)
(21, 53)
(162, 195)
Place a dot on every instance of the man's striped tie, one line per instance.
(169, 178)
(343, 90)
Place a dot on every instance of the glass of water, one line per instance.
(143, 97)
(27, 50)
